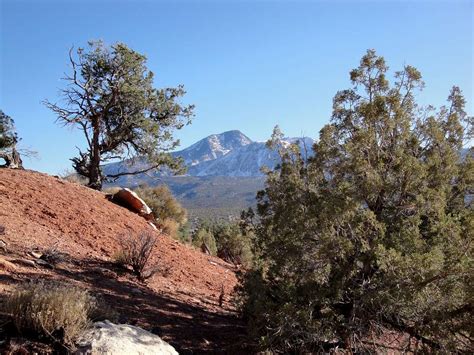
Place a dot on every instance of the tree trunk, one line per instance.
(12, 159)
(95, 174)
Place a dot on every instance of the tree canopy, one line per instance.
(110, 97)
(374, 232)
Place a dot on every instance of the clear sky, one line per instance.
(246, 65)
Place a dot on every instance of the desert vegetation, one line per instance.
(203, 239)
(358, 242)
(374, 233)
(215, 237)
(169, 213)
(136, 252)
(229, 241)
(56, 311)
(111, 98)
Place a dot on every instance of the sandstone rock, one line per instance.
(44, 263)
(130, 200)
(121, 339)
(25, 262)
(36, 254)
(3, 246)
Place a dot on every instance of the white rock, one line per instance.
(3, 245)
(36, 254)
(121, 339)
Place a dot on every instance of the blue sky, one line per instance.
(246, 65)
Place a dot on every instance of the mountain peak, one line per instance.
(229, 153)
(234, 137)
(214, 146)
(235, 133)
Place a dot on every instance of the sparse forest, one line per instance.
(147, 225)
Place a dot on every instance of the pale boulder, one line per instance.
(106, 338)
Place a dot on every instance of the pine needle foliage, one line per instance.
(375, 231)
(111, 99)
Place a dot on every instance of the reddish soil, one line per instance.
(180, 303)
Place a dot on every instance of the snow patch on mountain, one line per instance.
(227, 154)
(213, 147)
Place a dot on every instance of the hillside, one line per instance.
(180, 303)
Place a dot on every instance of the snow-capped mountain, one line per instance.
(230, 153)
(213, 147)
(246, 160)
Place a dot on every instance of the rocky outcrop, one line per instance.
(121, 339)
(130, 200)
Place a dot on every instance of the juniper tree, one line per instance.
(8, 141)
(8, 136)
(375, 231)
(110, 97)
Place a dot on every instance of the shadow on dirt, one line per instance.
(190, 329)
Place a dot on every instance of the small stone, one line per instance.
(105, 272)
(36, 254)
(25, 262)
(44, 263)
(3, 245)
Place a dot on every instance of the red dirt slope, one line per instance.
(182, 304)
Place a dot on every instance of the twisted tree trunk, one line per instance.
(12, 159)
(95, 173)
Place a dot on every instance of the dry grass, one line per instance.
(53, 255)
(135, 251)
(170, 227)
(53, 310)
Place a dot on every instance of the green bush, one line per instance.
(184, 233)
(232, 245)
(202, 237)
(163, 204)
(42, 308)
(374, 232)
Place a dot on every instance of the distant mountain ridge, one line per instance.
(213, 147)
(230, 153)
(223, 174)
